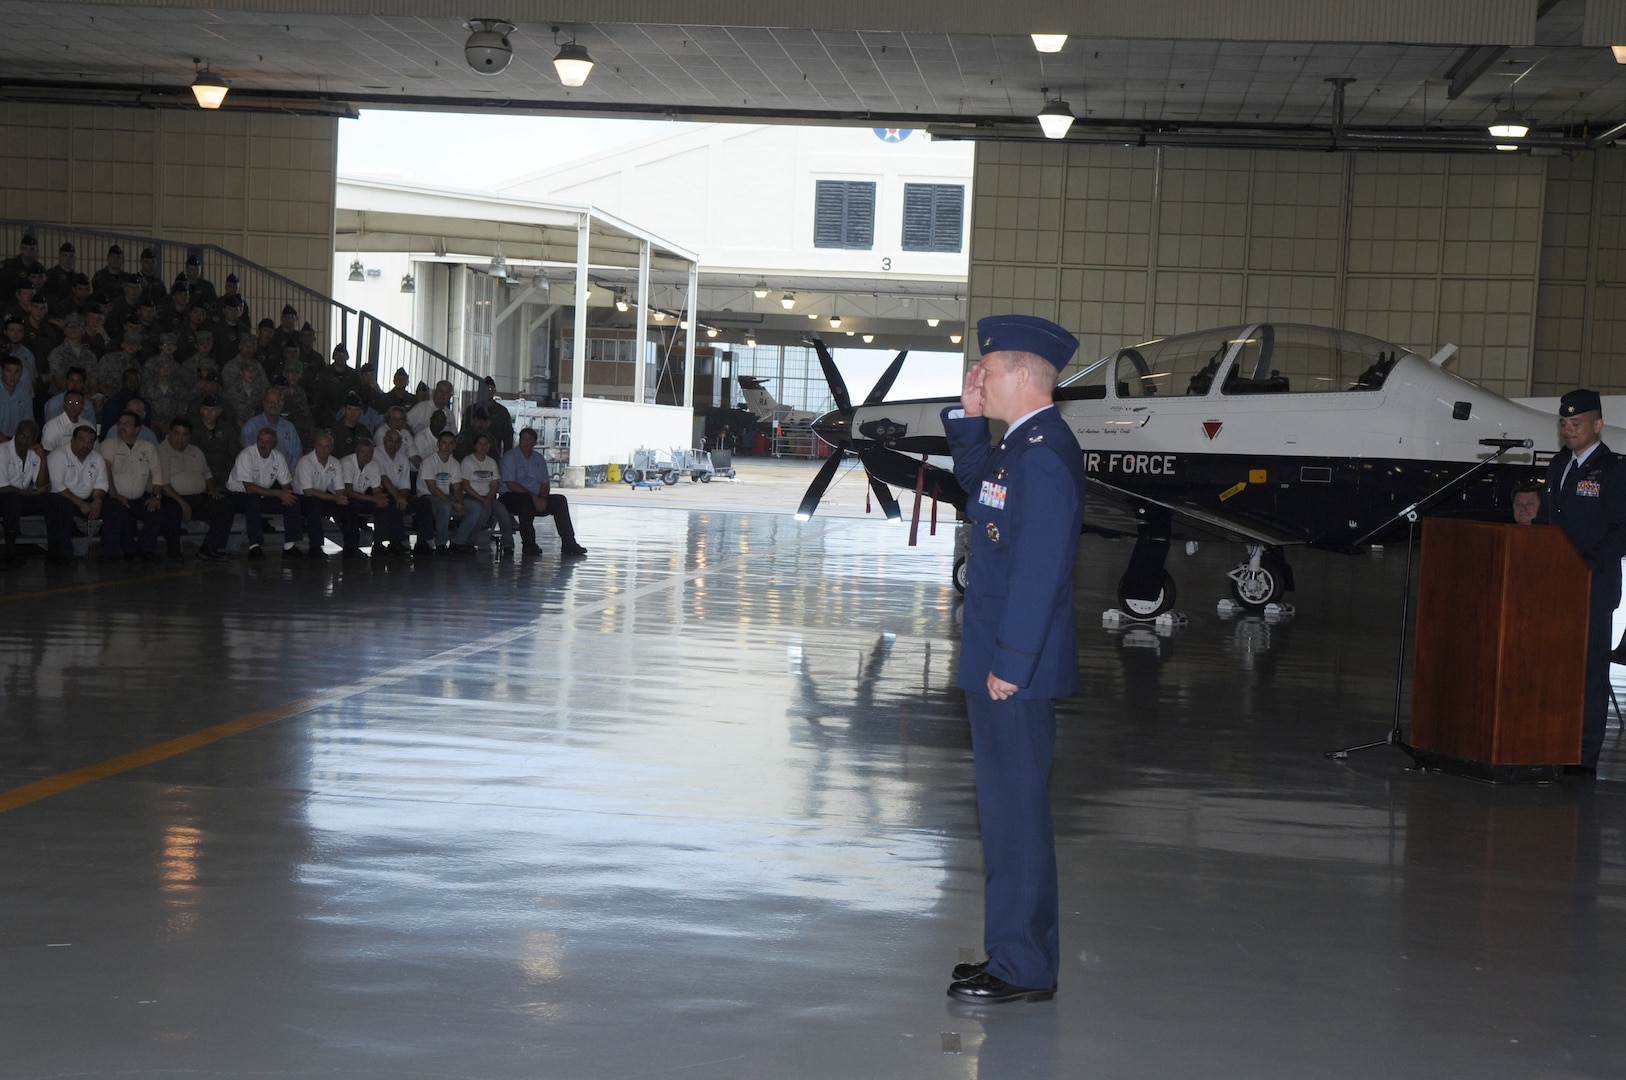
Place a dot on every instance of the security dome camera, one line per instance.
(487, 49)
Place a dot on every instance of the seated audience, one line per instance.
(23, 482)
(480, 482)
(78, 480)
(319, 483)
(191, 494)
(133, 520)
(261, 483)
(527, 492)
(440, 489)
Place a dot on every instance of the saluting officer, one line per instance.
(1019, 648)
(1586, 497)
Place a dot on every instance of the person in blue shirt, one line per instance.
(288, 444)
(16, 398)
(1586, 497)
(527, 493)
(1019, 647)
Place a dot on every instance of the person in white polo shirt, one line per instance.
(78, 491)
(364, 483)
(261, 483)
(58, 430)
(318, 483)
(23, 482)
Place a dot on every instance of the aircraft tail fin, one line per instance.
(757, 397)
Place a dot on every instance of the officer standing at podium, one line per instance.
(1019, 648)
(1586, 497)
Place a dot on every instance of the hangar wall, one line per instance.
(261, 185)
(1124, 243)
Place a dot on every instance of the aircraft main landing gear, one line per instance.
(1262, 579)
(1146, 609)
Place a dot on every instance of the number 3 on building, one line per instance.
(886, 264)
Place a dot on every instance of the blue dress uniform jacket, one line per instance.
(1590, 506)
(1026, 505)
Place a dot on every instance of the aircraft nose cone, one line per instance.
(835, 428)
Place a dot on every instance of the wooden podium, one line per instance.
(1500, 674)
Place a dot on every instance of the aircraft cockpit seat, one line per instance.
(1372, 378)
(1274, 383)
(1204, 378)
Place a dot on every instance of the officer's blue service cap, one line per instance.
(280, 380)
(353, 398)
(288, 309)
(210, 401)
(1026, 333)
(1577, 402)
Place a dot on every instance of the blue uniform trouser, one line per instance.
(1599, 644)
(1013, 742)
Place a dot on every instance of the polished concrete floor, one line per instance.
(700, 805)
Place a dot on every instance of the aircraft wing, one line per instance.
(1114, 509)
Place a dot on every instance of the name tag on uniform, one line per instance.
(992, 495)
(1588, 487)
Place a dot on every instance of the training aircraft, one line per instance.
(767, 407)
(1268, 435)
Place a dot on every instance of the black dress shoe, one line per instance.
(574, 551)
(962, 972)
(986, 989)
(530, 549)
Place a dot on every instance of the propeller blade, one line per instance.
(883, 385)
(832, 375)
(883, 495)
(815, 490)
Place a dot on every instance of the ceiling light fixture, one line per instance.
(1508, 124)
(358, 272)
(499, 266)
(835, 322)
(408, 285)
(812, 315)
(711, 331)
(869, 339)
(683, 324)
(207, 87)
(621, 300)
(1620, 53)
(788, 301)
(1048, 43)
(573, 64)
(1055, 118)
(933, 322)
(660, 316)
(850, 333)
(954, 338)
(761, 291)
(751, 340)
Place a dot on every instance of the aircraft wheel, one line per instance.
(632, 476)
(669, 478)
(1254, 589)
(959, 574)
(1147, 610)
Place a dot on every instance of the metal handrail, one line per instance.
(387, 348)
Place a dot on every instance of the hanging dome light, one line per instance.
(788, 301)
(573, 64)
(408, 284)
(358, 272)
(1055, 118)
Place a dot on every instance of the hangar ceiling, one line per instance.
(328, 56)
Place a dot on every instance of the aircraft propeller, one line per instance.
(836, 429)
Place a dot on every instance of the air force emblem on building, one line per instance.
(892, 134)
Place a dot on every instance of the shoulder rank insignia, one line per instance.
(1036, 437)
(993, 532)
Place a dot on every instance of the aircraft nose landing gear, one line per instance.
(1262, 579)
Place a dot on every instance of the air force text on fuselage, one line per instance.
(1129, 464)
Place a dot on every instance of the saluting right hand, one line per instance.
(971, 392)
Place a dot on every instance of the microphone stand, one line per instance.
(1396, 736)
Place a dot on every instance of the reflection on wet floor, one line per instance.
(701, 804)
